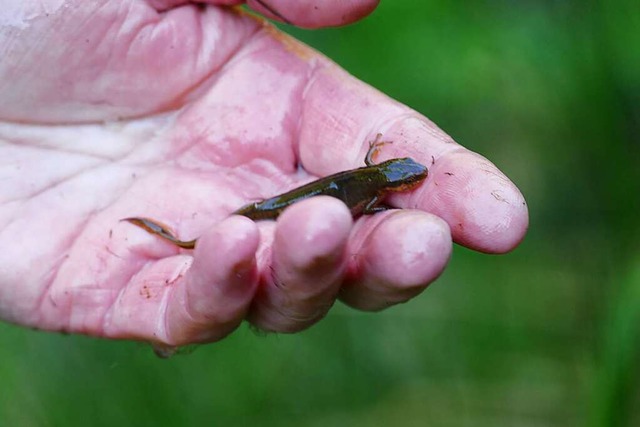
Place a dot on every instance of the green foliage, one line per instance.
(547, 335)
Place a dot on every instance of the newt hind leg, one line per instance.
(158, 229)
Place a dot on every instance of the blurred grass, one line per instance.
(615, 390)
(545, 336)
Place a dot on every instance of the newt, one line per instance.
(361, 189)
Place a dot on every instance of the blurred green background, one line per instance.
(548, 335)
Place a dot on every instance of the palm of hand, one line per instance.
(188, 142)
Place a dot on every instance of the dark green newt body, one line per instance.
(360, 189)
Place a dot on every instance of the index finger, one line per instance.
(340, 115)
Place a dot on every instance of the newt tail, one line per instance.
(154, 227)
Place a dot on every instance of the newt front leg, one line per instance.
(372, 206)
(374, 148)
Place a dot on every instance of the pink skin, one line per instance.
(111, 109)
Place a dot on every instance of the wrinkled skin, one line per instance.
(183, 113)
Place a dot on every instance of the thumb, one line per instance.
(301, 13)
(316, 13)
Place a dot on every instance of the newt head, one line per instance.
(403, 174)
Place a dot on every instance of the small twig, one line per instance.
(273, 11)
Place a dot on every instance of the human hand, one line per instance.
(113, 110)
